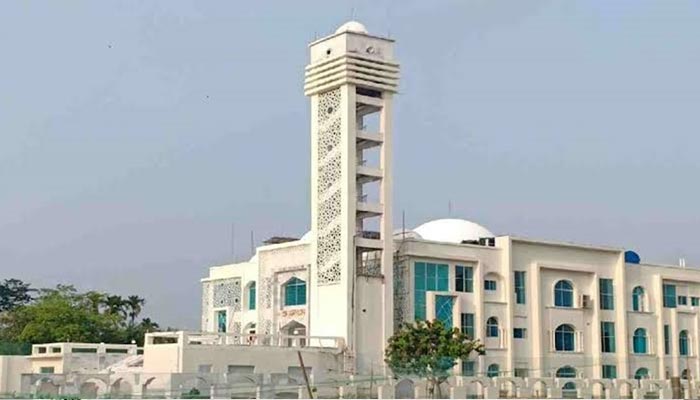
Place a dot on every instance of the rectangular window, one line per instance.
(519, 333)
(667, 339)
(468, 368)
(467, 324)
(695, 301)
(428, 277)
(204, 368)
(682, 300)
(489, 285)
(669, 296)
(464, 279)
(607, 299)
(607, 336)
(519, 287)
(83, 350)
(251, 296)
(609, 371)
(522, 372)
(443, 310)
(46, 370)
(221, 322)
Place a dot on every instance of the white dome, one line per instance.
(452, 230)
(352, 26)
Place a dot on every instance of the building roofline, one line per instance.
(563, 244)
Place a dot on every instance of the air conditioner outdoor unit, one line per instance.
(585, 301)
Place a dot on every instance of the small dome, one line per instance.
(352, 26)
(306, 237)
(452, 230)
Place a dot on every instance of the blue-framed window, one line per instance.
(464, 279)
(295, 292)
(493, 370)
(443, 310)
(221, 321)
(607, 336)
(564, 338)
(519, 278)
(492, 327)
(667, 339)
(638, 299)
(669, 296)
(467, 324)
(566, 372)
(639, 341)
(489, 285)
(251, 296)
(519, 333)
(683, 345)
(564, 294)
(468, 368)
(609, 371)
(682, 300)
(607, 297)
(428, 277)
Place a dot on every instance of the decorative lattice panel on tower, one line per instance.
(329, 187)
(206, 305)
(267, 292)
(227, 293)
(401, 294)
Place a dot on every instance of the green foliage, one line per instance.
(15, 349)
(62, 314)
(429, 350)
(14, 293)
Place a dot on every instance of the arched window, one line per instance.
(294, 292)
(564, 294)
(493, 370)
(251, 296)
(639, 341)
(566, 372)
(638, 299)
(564, 338)
(642, 373)
(683, 344)
(568, 391)
(492, 327)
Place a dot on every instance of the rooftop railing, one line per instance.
(254, 339)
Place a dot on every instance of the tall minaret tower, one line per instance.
(351, 80)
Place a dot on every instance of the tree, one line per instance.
(14, 293)
(430, 350)
(115, 305)
(95, 300)
(134, 306)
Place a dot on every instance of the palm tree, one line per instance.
(95, 300)
(135, 306)
(115, 305)
(148, 326)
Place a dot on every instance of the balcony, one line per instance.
(367, 140)
(368, 174)
(368, 240)
(366, 209)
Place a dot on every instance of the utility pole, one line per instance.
(306, 377)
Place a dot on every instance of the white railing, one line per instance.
(230, 339)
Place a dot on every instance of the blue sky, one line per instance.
(133, 134)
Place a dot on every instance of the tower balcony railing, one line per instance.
(370, 235)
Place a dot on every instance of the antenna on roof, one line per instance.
(449, 208)
(252, 243)
(233, 241)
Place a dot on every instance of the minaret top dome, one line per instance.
(352, 26)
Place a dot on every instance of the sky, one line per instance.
(135, 135)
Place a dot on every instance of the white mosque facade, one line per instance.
(546, 311)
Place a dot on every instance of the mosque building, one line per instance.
(547, 311)
(542, 308)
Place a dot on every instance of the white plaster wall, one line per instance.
(11, 370)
